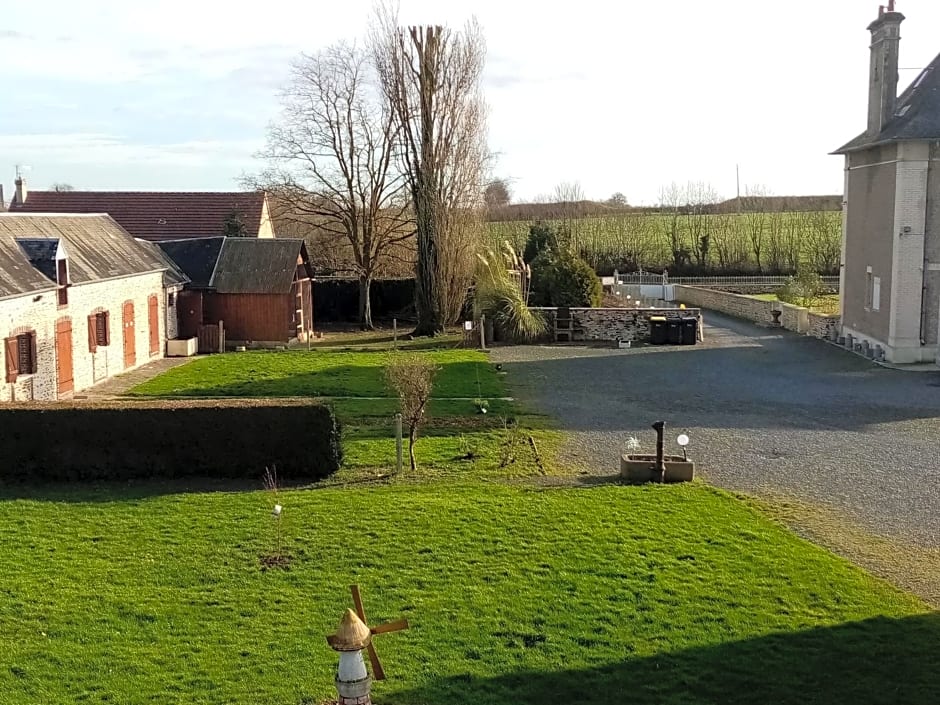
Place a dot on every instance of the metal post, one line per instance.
(482, 332)
(660, 472)
(398, 444)
(395, 335)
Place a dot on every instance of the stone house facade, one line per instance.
(890, 277)
(80, 301)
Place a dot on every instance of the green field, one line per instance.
(631, 240)
(151, 594)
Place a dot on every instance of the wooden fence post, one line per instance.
(221, 337)
(398, 444)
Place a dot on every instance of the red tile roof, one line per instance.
(154, 215)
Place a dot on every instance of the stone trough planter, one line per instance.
(640, 468)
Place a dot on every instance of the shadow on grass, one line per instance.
(872, 662)
(386, 345)
(128, 490)
(255, 378)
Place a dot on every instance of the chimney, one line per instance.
(883, 76)
(20, 194)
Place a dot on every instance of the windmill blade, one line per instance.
(357, 599)
(395, 626)
(378, 673)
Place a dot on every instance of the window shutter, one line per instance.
(92, 333)
(107, 328)
(12, 358)
(33, 357)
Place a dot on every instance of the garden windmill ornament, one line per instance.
(353, 683)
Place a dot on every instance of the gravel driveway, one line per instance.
(767, 410)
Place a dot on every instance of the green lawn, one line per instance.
(660, 594)
(319, 373)
(827, 304)
(347, 371)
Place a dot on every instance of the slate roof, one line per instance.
(196, 257)
(41, 254)
(154, 215)
(173, 276)
(917, 116)
(239, 265)
(17, 275)
(97, 249)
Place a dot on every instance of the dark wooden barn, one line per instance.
(261, 289)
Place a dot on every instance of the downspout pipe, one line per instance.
(931, 177)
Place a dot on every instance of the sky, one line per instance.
(620, 97)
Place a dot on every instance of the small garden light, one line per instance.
(683, 441)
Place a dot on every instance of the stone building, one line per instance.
(80, 301)
(890, 278)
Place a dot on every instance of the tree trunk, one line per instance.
(412, 437)
(365, 302)
(426, 303)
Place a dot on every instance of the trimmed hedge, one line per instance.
(168, 439)
(337, 300)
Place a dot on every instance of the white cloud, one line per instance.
(104, 149)
(616, 95)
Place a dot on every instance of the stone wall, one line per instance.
(25, 314)
(732, 304)
(820, 325)
(609, 324)
(794, 318)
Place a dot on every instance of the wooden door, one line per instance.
(63, 356)
(130, 341)
(153, 318)
(189, 313)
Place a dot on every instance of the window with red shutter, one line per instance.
(20, 356)
(102, 328)
(93, 332)
(11, 353)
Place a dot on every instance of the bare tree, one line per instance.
(776, 249)
(632, 236)
(700, 198)
(731, 247)
(671, 202)
(568, 196)
(568, 192)
(411, 377)
(794, 226)
(431, 77)
(824, 240)
(755, 220)
(332, 156)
